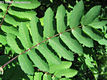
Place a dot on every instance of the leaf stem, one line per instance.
(34, 46)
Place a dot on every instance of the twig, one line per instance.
(5, 13)
(33, 47)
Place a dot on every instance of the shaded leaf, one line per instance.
(14, 73)
(88, 61)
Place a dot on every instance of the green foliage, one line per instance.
(48, 23)
(60, 49)
(24, 62)
(75, 16)
(32, 4)
(91, 15)
(60, 16)
(66, 57)
(81, 37)
(72, 43)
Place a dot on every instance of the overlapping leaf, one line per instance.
(34, 30)
(92, 33)
(98, 25)
(9, 19)
(51, 56)
(60, 49)
(81, 37)
(71, 43)
(42, 65)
